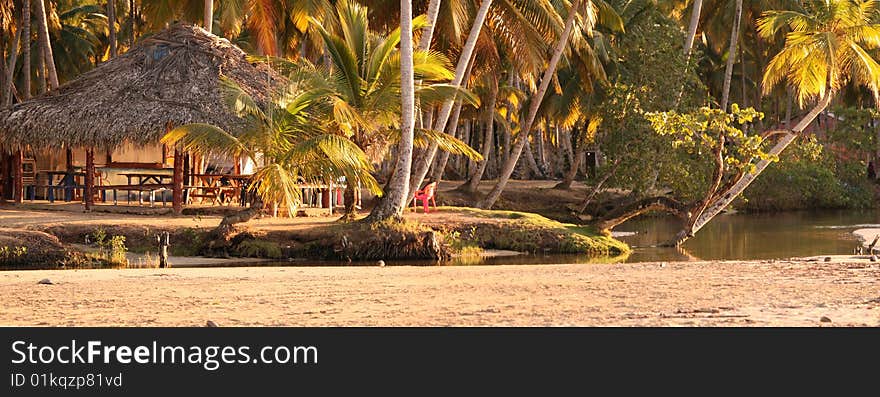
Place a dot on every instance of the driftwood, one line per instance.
(626, 212)
(873, 243)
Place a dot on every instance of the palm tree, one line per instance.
(363, 85)
(397, 190)
(692, 27)
(731, 55)
(208, 18)
(595, 9)
(26, 49)
(78, 45)
(420, 167)
(111, 27)
(9, 82)
(44, 43)
(827, 47)
(286, 140)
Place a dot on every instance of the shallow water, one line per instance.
(752, 236)
(727, 237)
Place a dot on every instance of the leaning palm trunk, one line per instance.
(440, 165)
(692, 27)
(428, 31)
(45, 45)
(535, 102)
(420, 167)
(731, 55)
(531, 162)
(723, 199)
(222, 235)
(569, 176)
(474, 182)
(398, 189)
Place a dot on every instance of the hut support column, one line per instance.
(89, 192)
(18, 183)
(177, 182)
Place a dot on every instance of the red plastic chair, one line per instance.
(426, 195)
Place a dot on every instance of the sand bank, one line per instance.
(769, 293)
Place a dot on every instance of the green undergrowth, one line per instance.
(528, 232)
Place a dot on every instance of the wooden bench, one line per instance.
(140, 189)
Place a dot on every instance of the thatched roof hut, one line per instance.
(170, 77)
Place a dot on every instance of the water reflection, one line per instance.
(751, 236)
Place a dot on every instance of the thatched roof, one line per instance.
(170, 77)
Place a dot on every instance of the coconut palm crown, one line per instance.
(827, 46)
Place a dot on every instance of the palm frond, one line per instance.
(423, 137)
(204, 139)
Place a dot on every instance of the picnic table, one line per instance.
(147, 178)
(219, 188)
(67, 181)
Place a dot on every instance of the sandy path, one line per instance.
(698, 294)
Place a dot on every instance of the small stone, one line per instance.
(827, 259)
(381, 263)
(662, 264)
(45, 281)
(211, 324)
(825, 319)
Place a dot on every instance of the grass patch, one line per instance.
(528, 232)
(253, 248)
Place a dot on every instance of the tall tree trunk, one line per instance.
(10, 70)
(724, 199)
(397, 194)
(531, 162)
(26, 49)
(787, 107)
(420, 167)
(692, 27)
(745, 96)
(452, 129)
(45, 44)
(535, 102)
(541, 149)
(349, 195)
(428, 31)
(131, 16)
(731, 55)
(41, 73)
(473, 183)
(209, 15)
(569, 176)
(111, 27)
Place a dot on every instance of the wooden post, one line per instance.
(4, 175)
(18, 184)
(177, 181)
(163, 249)
(89, 191)
(187, 169)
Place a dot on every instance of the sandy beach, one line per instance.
(769, 293)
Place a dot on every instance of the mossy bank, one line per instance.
(440, 235)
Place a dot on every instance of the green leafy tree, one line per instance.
(286, 141)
